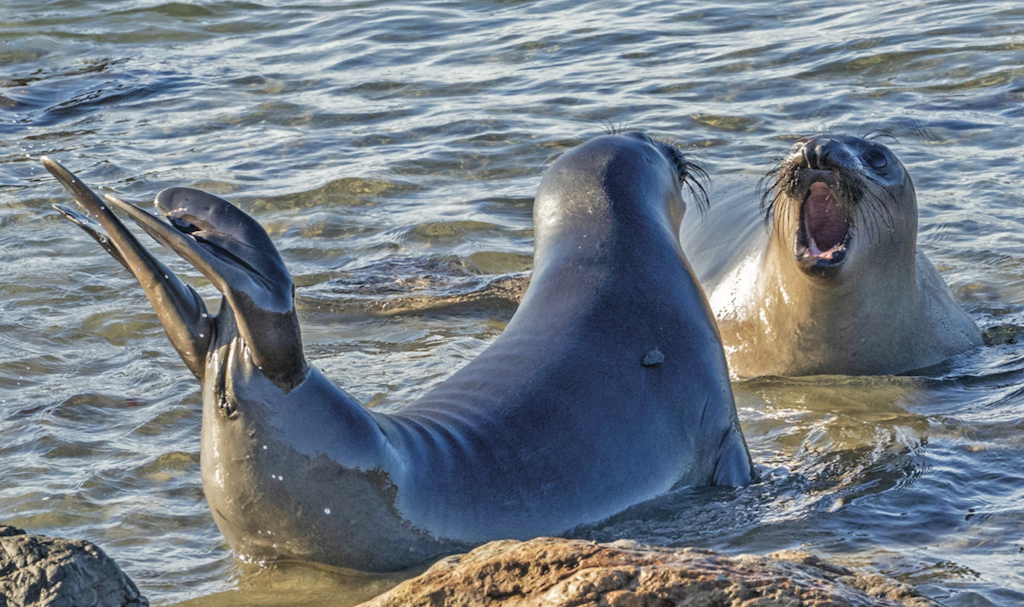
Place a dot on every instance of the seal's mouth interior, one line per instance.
(824, 232)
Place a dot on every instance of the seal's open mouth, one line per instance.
(824, 232)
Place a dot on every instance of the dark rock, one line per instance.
(7, 530)
(574, 573)
(37, 571)
(1002, 335)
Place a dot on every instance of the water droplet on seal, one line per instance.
(652, 358)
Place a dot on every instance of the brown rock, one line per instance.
(38, 571)
(575, 573)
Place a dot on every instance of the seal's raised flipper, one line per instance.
(239, 237)
(180, 309)
(235, 253)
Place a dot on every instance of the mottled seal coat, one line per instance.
(609, 386)
(840, 286)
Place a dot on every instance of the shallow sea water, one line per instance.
(393, 150)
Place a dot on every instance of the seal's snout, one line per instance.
(822, 154)
(824, 228)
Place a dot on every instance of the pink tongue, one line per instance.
(824, 220)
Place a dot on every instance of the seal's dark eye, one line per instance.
(875, 159)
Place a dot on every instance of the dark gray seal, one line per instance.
(840, 287)
(608, 388)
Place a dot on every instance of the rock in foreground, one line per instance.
(562, 573)
(37, 571)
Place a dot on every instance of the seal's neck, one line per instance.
(588, 226)
(890, 277)
(823, 325)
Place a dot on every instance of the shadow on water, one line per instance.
(46, 97)
(297, 584)
(402, 286)
(821, 444)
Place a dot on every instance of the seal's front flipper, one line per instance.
(236, 254)
(180, 309)
(235, 237)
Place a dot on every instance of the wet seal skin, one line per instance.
(609, 386)
(841, 288)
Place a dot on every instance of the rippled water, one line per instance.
(392, 152)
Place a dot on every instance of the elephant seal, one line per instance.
(609, 386)
(839, 287)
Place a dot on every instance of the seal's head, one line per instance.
(614, 186)
(836, 199)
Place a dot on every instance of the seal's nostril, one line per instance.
(823, 152)
(816, 154)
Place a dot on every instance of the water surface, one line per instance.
(393, 150)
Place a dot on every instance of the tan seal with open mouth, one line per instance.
(841, 288)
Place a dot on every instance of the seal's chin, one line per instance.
(823, 236)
